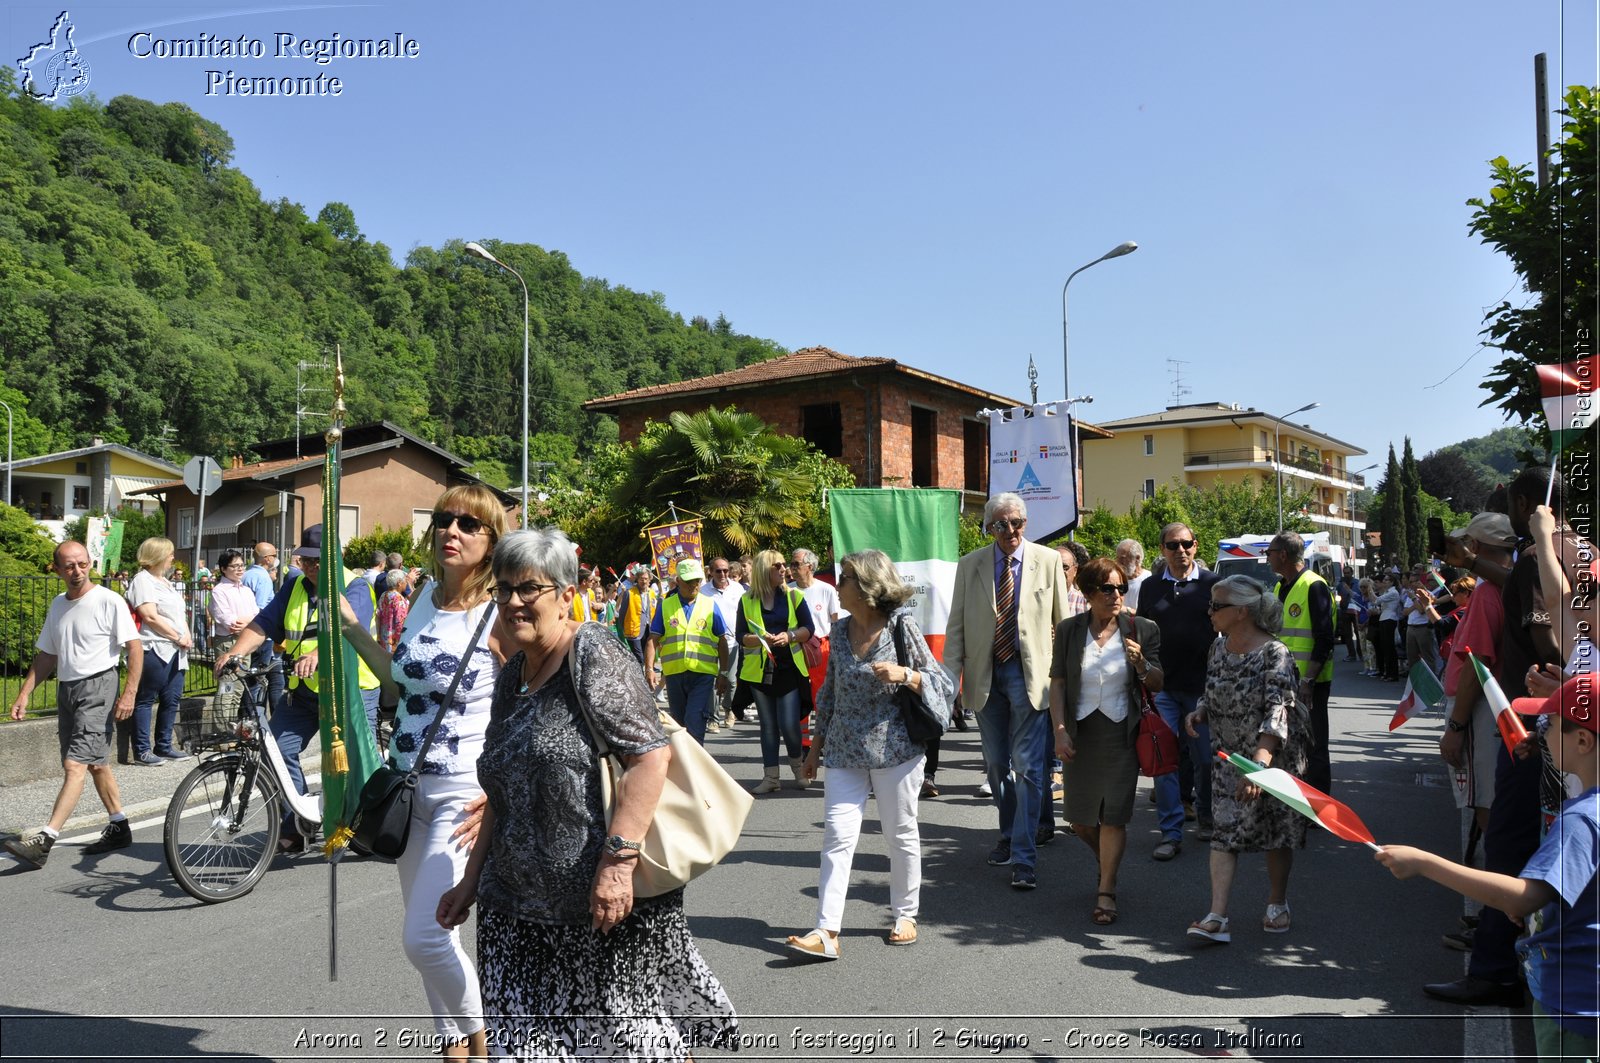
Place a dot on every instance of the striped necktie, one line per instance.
(1005, 607)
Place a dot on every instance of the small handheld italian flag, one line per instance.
(1422, 688)
(1307, 800)
(1567, 390)
(1511, 730)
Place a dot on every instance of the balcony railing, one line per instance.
(1245, 455)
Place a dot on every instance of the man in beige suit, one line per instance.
(1008, 598)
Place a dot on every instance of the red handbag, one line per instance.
(1155, 745)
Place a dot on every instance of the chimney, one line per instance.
(236, 462)
(97, 441)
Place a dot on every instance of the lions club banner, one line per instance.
(1030, 454)
(917, 529)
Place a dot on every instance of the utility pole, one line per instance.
(300, 392)
(1541, 117)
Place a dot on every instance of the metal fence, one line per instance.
(24, 601)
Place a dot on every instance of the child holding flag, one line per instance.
(1555, 892)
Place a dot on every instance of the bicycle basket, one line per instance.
(207, 722)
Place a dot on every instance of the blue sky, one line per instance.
(917, 180)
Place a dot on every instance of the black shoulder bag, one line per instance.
(923, 725)
(383, 814)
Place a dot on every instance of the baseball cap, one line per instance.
(1491, 528)
(1575, 701)
(689, 568)
(310, 543)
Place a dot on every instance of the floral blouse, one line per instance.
(857, 717)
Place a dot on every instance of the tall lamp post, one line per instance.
(7, 405)
(1277, 453)
(481, 252)
(1127, 247)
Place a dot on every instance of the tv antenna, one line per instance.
(1179, 390)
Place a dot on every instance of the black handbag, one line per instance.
(923, 725)
(383, 813)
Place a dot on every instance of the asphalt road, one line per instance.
(107, 959)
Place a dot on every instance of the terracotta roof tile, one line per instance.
(807, 362)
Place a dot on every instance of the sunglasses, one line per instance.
(1113, 588)
(1014, 525)
(719, 571)
(469, 525)
(1179, 544)
(1214, 607)
(525, 592)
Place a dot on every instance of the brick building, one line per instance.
(893, 425)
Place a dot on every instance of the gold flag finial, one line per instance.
(336, 428)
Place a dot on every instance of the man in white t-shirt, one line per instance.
(84, 635)
(726, 593)
(823, 601)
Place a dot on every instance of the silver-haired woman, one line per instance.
(861, 738)
(572, 964)
(1250, 702)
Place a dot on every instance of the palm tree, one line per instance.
(733, 467)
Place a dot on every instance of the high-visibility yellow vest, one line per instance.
(687, 644)
(636, 611)
(753, 670)
(1297, 634)
(300, 638)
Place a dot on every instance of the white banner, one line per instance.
(1030, 454)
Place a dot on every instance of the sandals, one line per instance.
(1104, 916)
(1213, 928)
(818, 944)
(1276, 921)
(904, 932)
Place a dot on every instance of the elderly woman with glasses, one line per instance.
(573, 964)
(1251, 704)
(1101, 659)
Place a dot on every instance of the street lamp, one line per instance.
(1127, 247)
(8, 451)
(1277, 453)
(474, 248)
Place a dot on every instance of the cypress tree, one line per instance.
(1411, 488)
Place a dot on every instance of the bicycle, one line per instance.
(239, 789)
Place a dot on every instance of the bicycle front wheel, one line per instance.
(222, 829)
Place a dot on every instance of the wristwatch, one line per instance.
(1455, 726)
(622, 848)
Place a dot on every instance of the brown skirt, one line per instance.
(1101, 778)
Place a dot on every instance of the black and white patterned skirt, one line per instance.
(641, 992)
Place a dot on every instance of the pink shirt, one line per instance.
(231, 601)
(1478, 631)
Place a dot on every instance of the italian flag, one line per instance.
(916, 527)
(1422, 689)
(1310, 802)
(1511, 730)
(1568, 392)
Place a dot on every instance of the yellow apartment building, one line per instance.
(1212, 443)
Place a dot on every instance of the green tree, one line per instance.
(1411, 507)
(24, 541)
(1391, 512)
(1548, 234)
(1448, 473)
(1101, 530)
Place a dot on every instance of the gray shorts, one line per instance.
(84, 710)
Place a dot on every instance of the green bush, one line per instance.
(358, 551)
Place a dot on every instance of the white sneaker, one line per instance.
(983, 789)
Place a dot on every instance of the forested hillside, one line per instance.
(148, 294)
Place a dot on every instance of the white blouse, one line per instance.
(1103, 678)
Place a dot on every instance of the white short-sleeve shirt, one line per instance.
(86, 636)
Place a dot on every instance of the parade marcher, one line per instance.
(1100, 660)
(165, 634)
(1008, 598)
(727, 594)
(467, 522)
(773, 624)
(573, 965)
(85, 632)
(635, 608)
(686, 635)
(823, 599)
(292, 617)
(1130, 559)
(1308, 632)
(1177, 598)
(861, 736)
(1251, 703)
(263, 578)
(392, 609)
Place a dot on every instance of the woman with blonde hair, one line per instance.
(437, 635)
(774, 624)
(167, 641)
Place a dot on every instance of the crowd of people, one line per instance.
(1057, 656)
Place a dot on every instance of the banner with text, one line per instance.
(1030, 454)
(671, 543)
(917, 528)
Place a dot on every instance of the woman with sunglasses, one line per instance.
(467, 523)
(1251, 703)
(1101, 658)
(773, 624)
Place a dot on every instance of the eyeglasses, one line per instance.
(1213, 607)
(527, 593)
(1014, 524)
(849, 577)
(720, 571)
(1113, 588)
(1179, 544)
(469, 525)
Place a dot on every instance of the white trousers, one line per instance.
(844, 799)
(431, 864)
